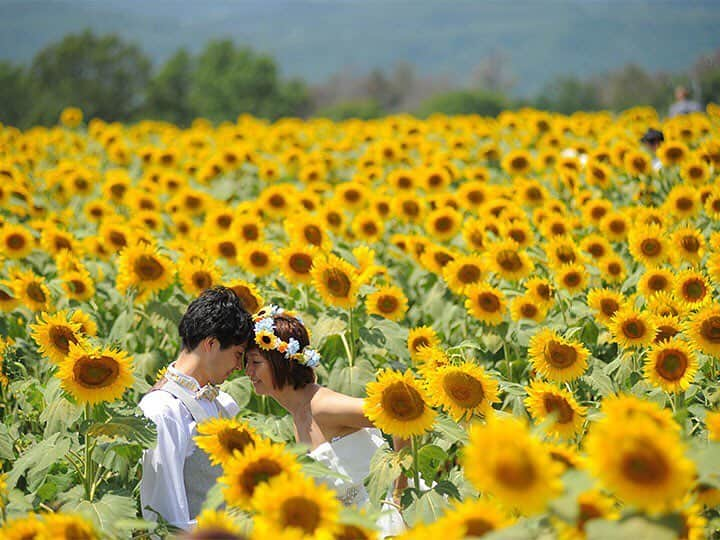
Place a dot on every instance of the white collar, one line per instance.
(187, 381)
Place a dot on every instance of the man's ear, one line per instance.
(210, 344)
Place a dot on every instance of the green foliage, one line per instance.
(479, 102)
(360, 109)
(168, 94)
(15, 97)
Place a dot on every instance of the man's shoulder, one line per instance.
(228, 403)
(158, 403)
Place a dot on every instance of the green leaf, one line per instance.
(327, 326)
(706, 460)
(352, 380)
(385, 468)
(395, 336)
(446, 487)
(214, 498)
(59, 413)
(632, 527)
(111, 514)
(427, 509)
(240, 389)
(600, 382)
(6, 444)
(166, 310)
(430, 458)
(37, 460)
(449, 429)
(121, 326)
(131, 429)
(320, 470)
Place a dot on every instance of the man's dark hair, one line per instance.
(287, 371)
(218, 313)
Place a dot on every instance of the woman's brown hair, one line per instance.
(286, 371)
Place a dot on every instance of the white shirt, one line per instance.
(162, 486)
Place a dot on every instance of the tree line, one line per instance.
(114, 80)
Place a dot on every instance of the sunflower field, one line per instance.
(532, 300)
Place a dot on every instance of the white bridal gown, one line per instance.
(350, 455)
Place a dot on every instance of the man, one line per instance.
(682, 104)
(176, 474)
(652, 140)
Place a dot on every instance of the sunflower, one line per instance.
(258, 258)
(672, 153)
(17, 241)
(295, 504)
(594, 210)
(93, 375)
(336, 280)
(712, 422)
(256, 465)
(408, 208)
(712, 204)
(435, 179)
(693, 288)
(306, 229)
(473, 194)
(54, 334)
(87, 325)
(566, 455)
(671, 365)
(78, 285)
(31, 291)
(526, 307)
(689, 244)
(70, 527)
(546, 400)
(631, 328)
(296, 262)
(637, 163)
(508, 261)
(557, 358)
(419, 338)
(640, 463)
(402, 180)
(115, 234)
(221, 438)
(197, 276)
(606, 303)
(247, 293)
(541, 290)
(435, 258)
(655, 281)
(54, 240)
(517, 162)
(590, 505)
(486, 303)
(703, 328)
(695, 172)
(8, 298)
(429, 360)
(572, 277)
(23, 528)
(332, 219)
(141, 266)
(622, 408)
(505, 461)
(349, 531)
(443, 223)
(276, 201)
(597, 246)
(683, 202)
(389, 302)
(474, 235)
(368, 226)
(475, 518)
(216, 523)
(561, 251)
(397, 404)
(464, 271)
(612, 269)
(462, 390)
(648, 244)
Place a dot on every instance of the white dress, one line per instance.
(350, 456)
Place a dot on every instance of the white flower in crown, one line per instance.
(267, 324)
(292, 348)
(311, 357)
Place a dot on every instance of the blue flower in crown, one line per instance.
(267, 325)
(292, 348)
(311, 357)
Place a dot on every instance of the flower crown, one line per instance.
(266, 339)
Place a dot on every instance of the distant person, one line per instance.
(652, 140)
(683, 105)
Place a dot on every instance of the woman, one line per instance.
(280, 363)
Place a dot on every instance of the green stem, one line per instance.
(88, 476)
(351, 325)
(416, 469)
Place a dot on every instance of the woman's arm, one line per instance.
(341, 411)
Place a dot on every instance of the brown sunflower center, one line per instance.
(277, 201)
(598, 212)
(634, 328)
(463, 389)
(518, 163)
(62, 243)
(15, 241)
(300, 263)
(410, 208)
(533, 194)
(257, 472)
(488, 302)
(690, 244)
(350, 532)
(658, 282)
(609, 306)
(227, 249)
(334, 219)
(476, 526)
(224, 221)
(572, 279)
(528, 310)
(202, 280)
(544, 291)
(259, 259)
(597, 250)
(300, 512)
(313, 234)
(404, 182)
(694, 290)
(684, 204)
(442, 258)
(352, 196)
(644, 464)
(148, 268)
(509, 260)
(192, 202)
(337, 282)
(518, 235)
(419, 342)
(118, 190)
(402, 402)
(671, 364)
(614, 269)
(96, 371)
(61, 337)
(35, 292)
(234, 439)
(118, 239)
(650, 247)
(370, 228)
(435, 180)
(250, 232)
(388, 304)
(469, 273)
(558, 405)
(617, 226)
(710, 329)
(565, 254)
(559, 355)
(444, 224)
(587, 512)
(249, 302)
(516, 471)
